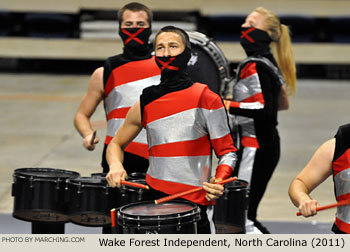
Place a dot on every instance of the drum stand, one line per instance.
(47, 228)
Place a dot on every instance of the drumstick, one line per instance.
(124, 182)
(197, 189)
(93, 137)
(113, 221)
(340, 203)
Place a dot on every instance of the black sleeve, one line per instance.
(266, 83)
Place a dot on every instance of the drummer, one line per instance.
(184, 121)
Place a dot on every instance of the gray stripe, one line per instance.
(183, 126)
(342, 186)
(114, 124)
(247, 87)
(342, 182)
(217, 122)
(246, 166)
(185, 170)
(251, 105)
(188, 125)
(343, 213)
(247, 126)
(228, 159)
(126, 95)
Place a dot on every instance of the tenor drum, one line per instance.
(174, 217)
(128, 194)
(39, 194)
(208, 64)
(230, 209)
(90, 201)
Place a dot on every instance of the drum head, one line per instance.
(208, 64)
(151, 209)
(45, 173)
(237, 184)
(152, 215)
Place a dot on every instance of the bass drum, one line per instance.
(39, 194)
(208, 64)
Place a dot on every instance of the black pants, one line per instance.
(265, 162)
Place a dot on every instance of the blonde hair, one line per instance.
(279, 33)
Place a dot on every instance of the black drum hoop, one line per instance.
(24, 173)
(88, 182)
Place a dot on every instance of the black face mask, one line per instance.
(135, 40)
(255, 41)
(173, 75)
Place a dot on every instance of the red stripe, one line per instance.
(224, 144)
(254, 98)
(197, 147)
(108, 139)
(139, 149)
(223, 171)
(248, 70)
(341, 162)
(342, 225)
(132, 71)
(196, 96)
(118, 113)
(250, 142)
(343, 197)
(171, 188)
(234, 104)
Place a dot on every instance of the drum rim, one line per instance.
(86, 180)
(24, 173)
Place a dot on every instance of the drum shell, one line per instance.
(129, 194)
(38, 197)
(208, 64)
(91, 200)
(230, 209)
(175, 223)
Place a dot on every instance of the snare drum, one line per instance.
(174, 217)
(90, 201)
(39, 194)
(208, 64)
(230, 209)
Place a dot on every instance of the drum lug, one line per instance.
(58, 184)
(31, 187)
(226, 191)
(57, 189)
(139, 195)
(158, 222)
(179, 223)
(79, 191)
(138, 223)
(13, 193)
(107, 188)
